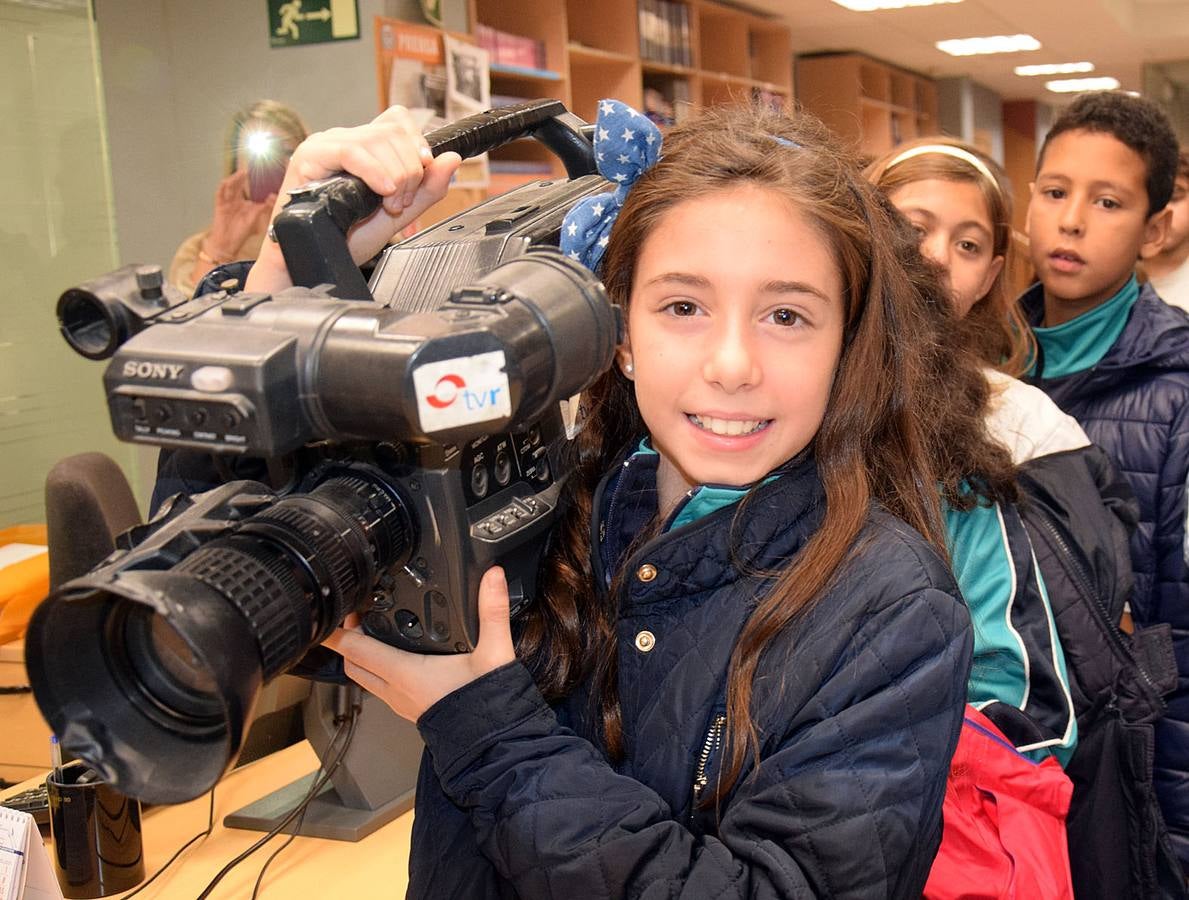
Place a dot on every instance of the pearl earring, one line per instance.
(628, 368)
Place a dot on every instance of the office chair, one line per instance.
(88, 502)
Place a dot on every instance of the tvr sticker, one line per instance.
(462, 391)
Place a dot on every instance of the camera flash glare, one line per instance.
(259, 144)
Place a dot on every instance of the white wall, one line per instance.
(56, 232)
(174, 72)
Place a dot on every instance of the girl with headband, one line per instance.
(1077, 512)
(959, 208)
(746, 670)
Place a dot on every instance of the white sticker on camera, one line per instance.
(462, 391)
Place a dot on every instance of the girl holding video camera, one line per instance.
(746, 673)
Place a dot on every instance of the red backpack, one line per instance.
(1004, 822)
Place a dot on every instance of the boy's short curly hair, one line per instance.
(1134, 121)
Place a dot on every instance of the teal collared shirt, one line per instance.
(702, 500)
(1081, 343)
(631, 502)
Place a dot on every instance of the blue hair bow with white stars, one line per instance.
(626, 145)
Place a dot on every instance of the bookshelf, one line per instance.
(866, 102)
(690, 52)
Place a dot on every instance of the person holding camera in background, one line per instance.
(259, 143)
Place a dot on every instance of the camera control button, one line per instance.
(408, 625)
(479, 481)
(503, 467)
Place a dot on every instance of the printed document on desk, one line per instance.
(25, 869)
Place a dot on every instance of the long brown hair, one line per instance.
(881, 439)
(994, 327)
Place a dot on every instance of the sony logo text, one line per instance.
(168, 371)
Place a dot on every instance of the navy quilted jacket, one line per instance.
(858, 706)
(1135, 404)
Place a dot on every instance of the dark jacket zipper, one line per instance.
(709, 746)
(1083, 583)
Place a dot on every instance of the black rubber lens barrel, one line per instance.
(165, 664)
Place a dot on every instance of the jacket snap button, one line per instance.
(646, 572)
(645, 641)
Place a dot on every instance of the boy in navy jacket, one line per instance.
(1116, 357)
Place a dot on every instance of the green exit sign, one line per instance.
(294, 22)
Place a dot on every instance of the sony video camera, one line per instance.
(421, 414)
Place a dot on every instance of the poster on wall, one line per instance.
(437, 78)
(292, 23)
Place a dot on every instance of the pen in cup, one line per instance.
(56, 757)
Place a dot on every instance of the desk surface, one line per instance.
(377, 866)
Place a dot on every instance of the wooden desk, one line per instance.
(25, 746)
(377, 866)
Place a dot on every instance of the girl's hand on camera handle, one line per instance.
(391, 156)
(410, 683)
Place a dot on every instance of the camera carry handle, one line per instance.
(312, 228)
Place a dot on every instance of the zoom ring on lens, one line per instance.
(339, 557)
(380, 516)
(264, 588)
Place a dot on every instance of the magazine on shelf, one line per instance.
(437, 78)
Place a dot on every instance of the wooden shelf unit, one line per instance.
(593, 50)
(868, 103)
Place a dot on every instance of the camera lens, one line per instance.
(164, 665)
(158, 664)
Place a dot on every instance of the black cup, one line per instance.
(96, 831)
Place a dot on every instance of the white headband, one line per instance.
(946, 150)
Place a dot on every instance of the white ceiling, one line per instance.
(1118, 36)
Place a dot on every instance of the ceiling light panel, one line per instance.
(1077, 85)
(999, 43)
(1074, 68)
(874, 5)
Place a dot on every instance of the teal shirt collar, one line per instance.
(1081, 343)
(702, 500)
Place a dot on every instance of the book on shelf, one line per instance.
(684, 43)
(667, 100)
(665, 32)
(511, 49)
(658, 108)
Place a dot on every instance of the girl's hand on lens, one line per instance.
(410, 683)
(391, 156)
